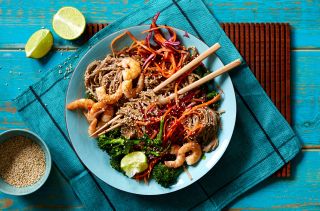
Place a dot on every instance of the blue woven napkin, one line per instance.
(262, 141)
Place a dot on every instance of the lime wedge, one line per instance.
(39, 44)
(69, 23)
(133, 163)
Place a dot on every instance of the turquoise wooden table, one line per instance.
(19, 19)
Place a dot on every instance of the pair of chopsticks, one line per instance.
(191, 65)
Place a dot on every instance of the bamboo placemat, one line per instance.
(266, 49)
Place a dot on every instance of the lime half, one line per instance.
(133, 163)
(69, 23)
(39, 44)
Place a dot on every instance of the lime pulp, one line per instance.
(133, 163)
(69, 23)
(39, 44)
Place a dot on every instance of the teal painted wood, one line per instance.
(306, 95)
(19, 19)
(300, 192)
(55, 194)
(19, 72)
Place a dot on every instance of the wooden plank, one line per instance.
(18, 72)
(305, 94)
(302, 192)
(17, 25)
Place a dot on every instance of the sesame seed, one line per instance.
(22, 161)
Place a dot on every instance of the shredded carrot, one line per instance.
(213, 100)
(188, 112)
(140, 43)
(198, 100)
(167, 112)
(194, 130)
(146, 174)
(148, 123)
(149, 107)
(115, 40)
(140, 133)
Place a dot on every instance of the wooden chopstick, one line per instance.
(189, 66)
(111, 128)
(203, 80)
(106, 125)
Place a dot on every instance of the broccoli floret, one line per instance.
(116, 146)
(115, 163)
(201, 70)
(211, 95)
(152, 146)
(113, 133)
(164, 175)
